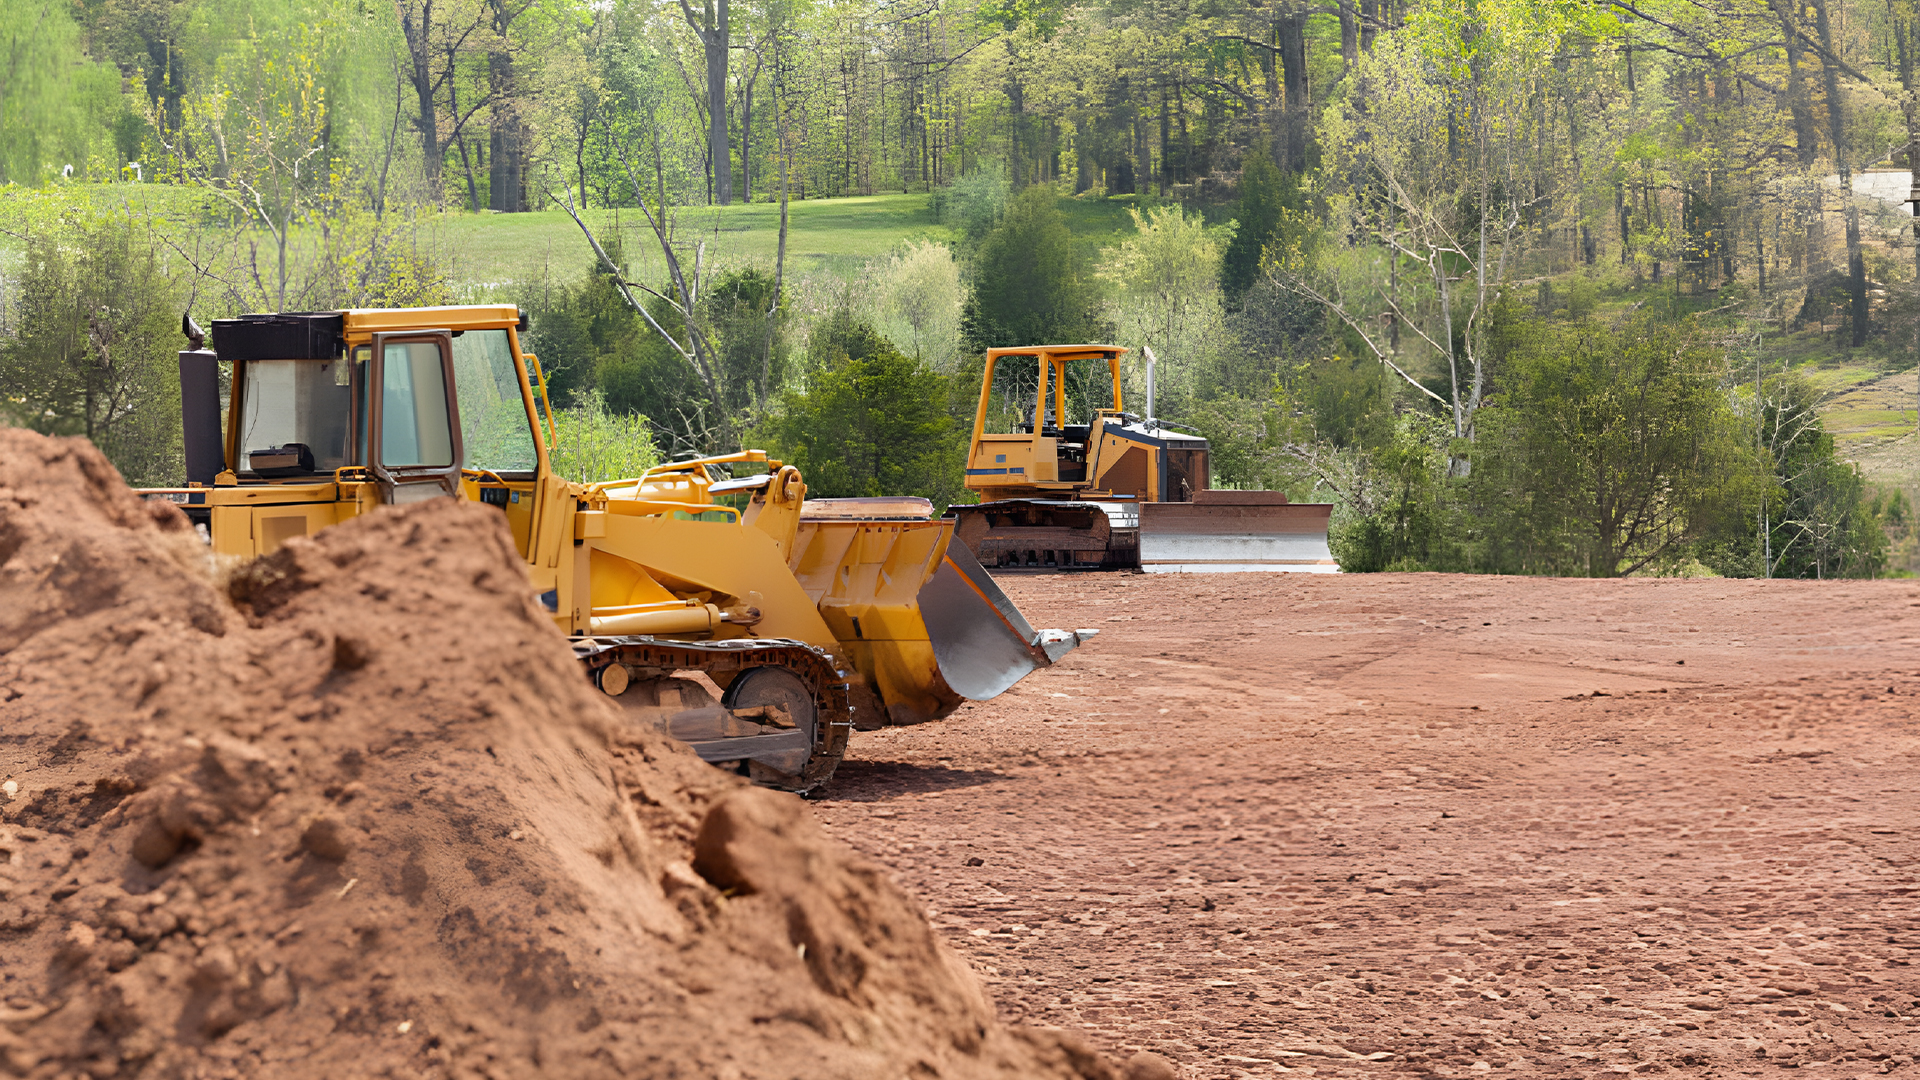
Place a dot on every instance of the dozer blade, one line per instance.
(1230, 531)
(980, 640)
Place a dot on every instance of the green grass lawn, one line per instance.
(1867, 422)
(488, 256)
(1834, 378)
(488, 251)
(836, 237)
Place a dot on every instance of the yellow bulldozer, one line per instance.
(761, 634)
(1121, 490)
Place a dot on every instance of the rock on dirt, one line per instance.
(354, 812)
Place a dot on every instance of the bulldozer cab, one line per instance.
(1039, 408)
(330, 413)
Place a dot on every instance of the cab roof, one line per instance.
(363, 322)
(1061, 352)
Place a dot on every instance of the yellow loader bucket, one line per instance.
(1233, 531)
(914, 612)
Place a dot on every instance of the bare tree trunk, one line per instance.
(1836, 123)
(506, 146)
(1349, 35)
(1017, 109)
(1166, 149)
(746, 128)
(417, 27)
(712, 28)
(1906, 42)
(1290, 34)
(780, 253)
(393, 136)
(580, 150)
(466, 160)
(1806, 141)
(434, 52)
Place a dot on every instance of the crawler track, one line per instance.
(826, 743)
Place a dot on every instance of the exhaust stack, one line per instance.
(200, 406)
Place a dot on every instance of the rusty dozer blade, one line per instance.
(1230, 531)
(980, 640)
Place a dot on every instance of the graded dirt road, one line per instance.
(1429, 824)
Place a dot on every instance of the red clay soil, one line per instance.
(358, 814)
(1408, 824)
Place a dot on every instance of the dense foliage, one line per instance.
(871, 420)
(1529, 286)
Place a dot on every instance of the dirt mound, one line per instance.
(355, 813)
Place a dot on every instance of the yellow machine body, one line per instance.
(650, 574)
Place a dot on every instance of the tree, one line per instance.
(748, 322)
(870, 421)
(1267, 195)
(1431, 148)
(1818, 522)
(1904, 35)
(97, 317)
(715, 427)
(440, 35)
(507, 126)
(919, 292)
(1623, 440)
(1029, 287)
(255, 139)
(712, 26)
(45, 84)
(1831, 63)
(593, 443)
(1165, 295)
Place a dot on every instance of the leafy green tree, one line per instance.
(972, 204)
(870, 420)
(97, 318)
(639, 372)
(1622, 444)
(576, 327)
(920, 297)
(255, 139)
(1029, 286)
(1819, 517)
(594, 443)
(750, 328)
(54, 103)
(1165, 295)
(1266, 195)
(589, 337)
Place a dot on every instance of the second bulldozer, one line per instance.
(1119, 491)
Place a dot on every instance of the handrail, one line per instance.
(717, 459)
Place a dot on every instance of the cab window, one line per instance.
(414, 431)
(308, 402)
(1016, 387)
(495, 434)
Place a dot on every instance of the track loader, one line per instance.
(1119, 491)
(760, 634)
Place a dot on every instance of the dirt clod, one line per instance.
(1150, 1066)
(357, 813)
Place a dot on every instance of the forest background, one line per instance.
(1535, 286)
